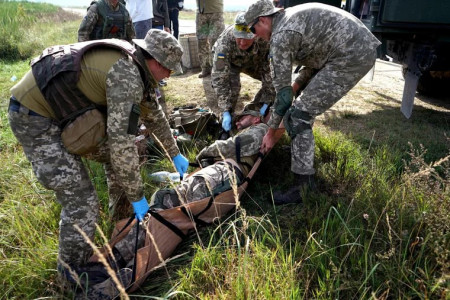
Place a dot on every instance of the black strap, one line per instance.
(169, 225)
(196, 217)
(195, 165)
(130, 220)
(238, 149)
(133, 277)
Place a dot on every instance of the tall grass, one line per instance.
(28, 27)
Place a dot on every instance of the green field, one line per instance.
(378, 227)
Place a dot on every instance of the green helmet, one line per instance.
(163, 47)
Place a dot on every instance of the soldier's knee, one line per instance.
(55, 179)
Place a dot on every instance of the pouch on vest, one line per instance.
(194, 121)
(86, 133)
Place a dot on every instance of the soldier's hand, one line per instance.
(140, 208)
(181, 164)
(226, 121)
(269, 140)
(263, 109)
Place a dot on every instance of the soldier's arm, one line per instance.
(166, 13)
(304, 76)
(155, 120)
(283, 47)
(130, 33)
(124, 88)
(88, 23)
(220, 76)
(266, 77)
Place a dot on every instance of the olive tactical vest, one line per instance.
(57, 71)
(110, 24)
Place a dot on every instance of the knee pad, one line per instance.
(296, 121)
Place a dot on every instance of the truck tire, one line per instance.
(434, 83)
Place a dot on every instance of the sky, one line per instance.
(233, 5)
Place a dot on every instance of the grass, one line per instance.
(376, 228)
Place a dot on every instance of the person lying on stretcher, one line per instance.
(220, 161)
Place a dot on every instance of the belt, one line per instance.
(15, 106)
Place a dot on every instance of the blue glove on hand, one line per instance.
(263, 109)
(140, 208)
(181, 164)
(226, 121)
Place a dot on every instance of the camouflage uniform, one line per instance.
(209, 25)
(321, 37)
(214, 179)
(229, 61)
(91, 26)
(108, 77)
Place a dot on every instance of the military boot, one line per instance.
(205, 73)
(107, 289)
(293, 195)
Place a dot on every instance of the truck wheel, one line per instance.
(434, 83)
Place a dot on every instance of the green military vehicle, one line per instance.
(415, 34)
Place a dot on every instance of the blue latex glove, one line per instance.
(181, 164)
(226, 121)
(140, 208)
(263, 109)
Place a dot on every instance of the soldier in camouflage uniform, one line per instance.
(106, 19)
(238, 51)
(209, 25)
(215, 178)
(119, 79)
(329, 40)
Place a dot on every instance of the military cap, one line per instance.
(163, 47)
(260, 8)
(241, 30)
(246, 112)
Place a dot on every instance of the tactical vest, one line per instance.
(110, 24)
(57, 71)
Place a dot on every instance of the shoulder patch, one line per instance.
(221, 55)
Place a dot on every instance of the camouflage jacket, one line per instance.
(250, 142)
(103, 22)
(227, 55)
(308, 35)
(111, 78)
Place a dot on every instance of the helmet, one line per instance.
(241, 30)
(163, 47)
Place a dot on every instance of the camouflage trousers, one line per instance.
(66, 175)
(211, 180)
(328, 85)
(266, 93)
(208, 28)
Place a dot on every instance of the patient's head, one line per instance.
(246, 119)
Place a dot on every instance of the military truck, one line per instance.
(415, 34)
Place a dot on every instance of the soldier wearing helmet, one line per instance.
(118, 79)
(238, 51)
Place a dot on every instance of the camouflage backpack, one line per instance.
(194, 120)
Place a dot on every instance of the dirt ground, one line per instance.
(386, 88)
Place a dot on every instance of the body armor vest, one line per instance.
(110, 24)
(57, 71)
